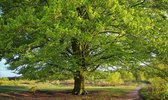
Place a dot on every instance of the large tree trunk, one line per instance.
(79, 84)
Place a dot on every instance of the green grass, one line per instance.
(112, 90)
(94, 92)
(13, 89)
(42, 86)
(118, 90)
(45, 87)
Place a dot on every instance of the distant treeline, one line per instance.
(9, 78)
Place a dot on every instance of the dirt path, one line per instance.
(133, 95)
(66, 95)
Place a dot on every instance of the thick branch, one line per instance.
(95, 68)
(107, 57)
(139, 3)
(110, 31)
(61, 68)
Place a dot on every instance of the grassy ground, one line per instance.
(22, 91)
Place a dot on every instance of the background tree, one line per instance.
(43, 38)
(158, 38)
(114, 78)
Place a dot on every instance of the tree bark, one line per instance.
(79, 83)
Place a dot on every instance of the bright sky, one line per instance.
(4, 72)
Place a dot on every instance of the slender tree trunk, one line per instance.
(79, 84)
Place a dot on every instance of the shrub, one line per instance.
(33, 89)
(114, 79)
(157, 85)
(127, 76)
(15, 82)
(158, 89)
(4, 79)
(1, 83)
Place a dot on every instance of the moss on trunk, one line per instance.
(79, 84)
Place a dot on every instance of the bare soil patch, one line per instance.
(133, 95)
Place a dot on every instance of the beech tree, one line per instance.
(41, 39)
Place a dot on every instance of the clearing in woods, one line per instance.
(96, 93)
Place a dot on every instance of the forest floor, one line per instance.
(100, 93)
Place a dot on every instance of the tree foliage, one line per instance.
(45, 38)
(115, 79)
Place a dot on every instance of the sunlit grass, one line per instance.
(94, 92)
(44, 86)
(13, 89)
(112, 90)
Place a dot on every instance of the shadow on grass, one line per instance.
(13, 89)
(98, 93)
(112, 90)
